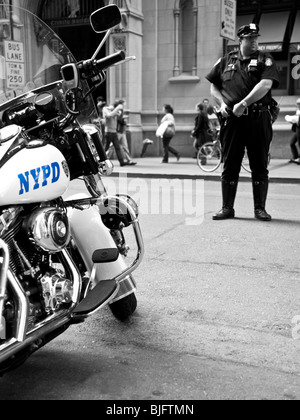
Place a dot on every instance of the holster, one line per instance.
(256, 111)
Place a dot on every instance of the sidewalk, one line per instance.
(280, 170)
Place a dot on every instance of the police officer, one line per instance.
(241, 84)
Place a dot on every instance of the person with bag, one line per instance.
(241, 83)
(167, 131)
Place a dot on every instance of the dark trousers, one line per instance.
(294, 141)
(202, 139)
(168, 149)
(113, 138)
(253, 134)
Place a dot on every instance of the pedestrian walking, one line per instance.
(169, 133)
(121, 130)
(295, 120)
(200, 131)
(110, 114)
(241, 84)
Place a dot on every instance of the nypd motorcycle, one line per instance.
(63, 254)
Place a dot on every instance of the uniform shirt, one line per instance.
(236, 77)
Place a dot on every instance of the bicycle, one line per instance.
(210, 156)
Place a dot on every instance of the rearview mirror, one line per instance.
(105, 18)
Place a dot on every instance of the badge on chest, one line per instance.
(253, 64)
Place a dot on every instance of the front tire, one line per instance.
(124, 308)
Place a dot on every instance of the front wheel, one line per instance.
(124, 308)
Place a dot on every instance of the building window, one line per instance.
(186, 30)
(187, 36)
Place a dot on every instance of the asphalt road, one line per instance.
(217, 308)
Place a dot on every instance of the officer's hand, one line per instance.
(223, 110)
(239, 109)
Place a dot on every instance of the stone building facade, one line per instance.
(175, 43)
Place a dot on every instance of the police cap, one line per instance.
(248, 30)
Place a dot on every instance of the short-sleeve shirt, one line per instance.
(110, 120)
(236, 77)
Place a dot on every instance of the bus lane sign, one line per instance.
(15, 66)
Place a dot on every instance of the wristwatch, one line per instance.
(244, 103)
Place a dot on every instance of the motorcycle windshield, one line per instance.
(31, 54)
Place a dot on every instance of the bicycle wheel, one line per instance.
(209, 157)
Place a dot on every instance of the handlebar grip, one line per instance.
(109, 61)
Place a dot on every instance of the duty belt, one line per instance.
(255, 109)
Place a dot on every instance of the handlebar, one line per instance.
(92, 68)
(109, 61)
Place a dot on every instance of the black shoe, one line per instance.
(262, 215)
(224, 214)
(130, 163)
(178, 158)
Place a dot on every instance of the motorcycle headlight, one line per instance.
(49, 229)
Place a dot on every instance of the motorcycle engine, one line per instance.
(35, 240)
(56, 291)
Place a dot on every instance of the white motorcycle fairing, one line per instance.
(90, 234)
(33, 175)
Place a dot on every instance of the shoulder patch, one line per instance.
(269, 62)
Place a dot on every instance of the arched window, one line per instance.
(186, 39)
(187, 36)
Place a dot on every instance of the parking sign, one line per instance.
(228, 19)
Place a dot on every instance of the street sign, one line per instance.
(228, 19)
(15, 67)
